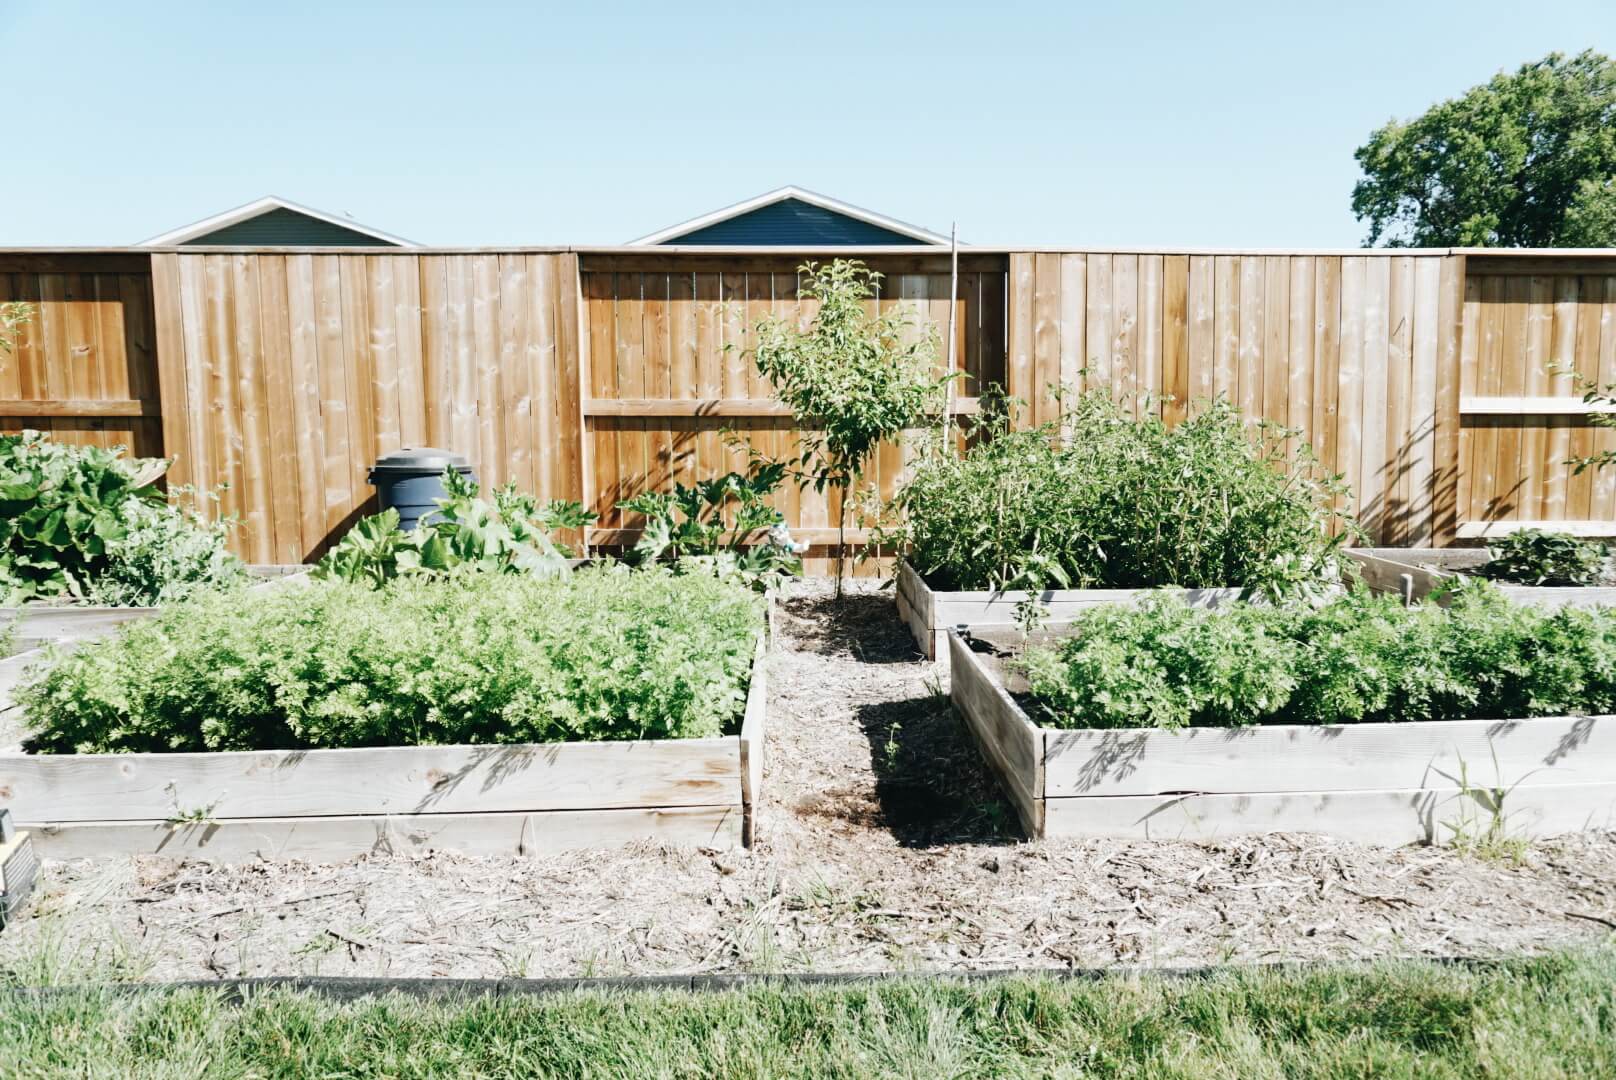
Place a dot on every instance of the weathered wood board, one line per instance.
(930, 615)
(35, 624)
(340, 803)
(1372, 783)
(338, 838)
(1416, 573)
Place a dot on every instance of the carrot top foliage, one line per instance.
(479, 658)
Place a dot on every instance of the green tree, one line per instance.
(853, 379)
(1525, 160)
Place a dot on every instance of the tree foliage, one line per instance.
(1527, 159)
(853, 379)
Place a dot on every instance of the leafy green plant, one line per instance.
(14, 315)
(512, 534)
(853, 379)
(1116, 502)
(712, 525)
(167, 553)
(605, 653)
(1539, 557)
(89, 523)
(1358, 658)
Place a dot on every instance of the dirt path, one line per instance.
(885, 846)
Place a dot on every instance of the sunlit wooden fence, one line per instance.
(1434, 381)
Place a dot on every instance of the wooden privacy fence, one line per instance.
(285, 375)
(1359, 352)
(673, 393)
(1426, 378)
(84, 369)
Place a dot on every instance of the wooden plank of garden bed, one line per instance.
(753, 735)
(1385, 570)
(931, 614)
(376, 780)
(1013, 747)
(1387, 817)
(55, 623)
(1290, 758)
(345, 837)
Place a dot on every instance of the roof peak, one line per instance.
(781, 194)
(257, 207)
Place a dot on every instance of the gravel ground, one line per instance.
(884, 845)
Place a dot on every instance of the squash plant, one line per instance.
(89, 523)
(512, 534)
(710, 525)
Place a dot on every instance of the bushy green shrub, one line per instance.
(605, 653)
(1356, 659)
(511, 534)
(1538, 557)
(1123, 503)
(89, 523)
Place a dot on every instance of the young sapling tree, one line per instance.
(854, 378)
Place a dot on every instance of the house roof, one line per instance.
(807, 205)
(268, 205)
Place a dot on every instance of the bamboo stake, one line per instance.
(953, 330)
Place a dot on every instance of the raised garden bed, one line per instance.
(1415, 573)
(931, 615)
(1371, 783)
(44, 622)
(335, 804)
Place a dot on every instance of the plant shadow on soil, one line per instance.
(931, 784)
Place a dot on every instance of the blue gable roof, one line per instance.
(791, 223)
(282, 227)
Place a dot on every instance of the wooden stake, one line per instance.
(953, 329)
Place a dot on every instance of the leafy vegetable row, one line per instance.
(598, 654)
(1355, 659)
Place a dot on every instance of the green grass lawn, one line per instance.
(1550, 1017)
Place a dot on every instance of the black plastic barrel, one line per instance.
(411, 481)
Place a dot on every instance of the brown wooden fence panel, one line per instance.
(84, 368)
(1428, 380)
(1531, 341)
(673, 394)
(286, 375)
(1348, 350)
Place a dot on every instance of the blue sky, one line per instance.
(480, 123)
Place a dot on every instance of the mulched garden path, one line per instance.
(884, 845)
